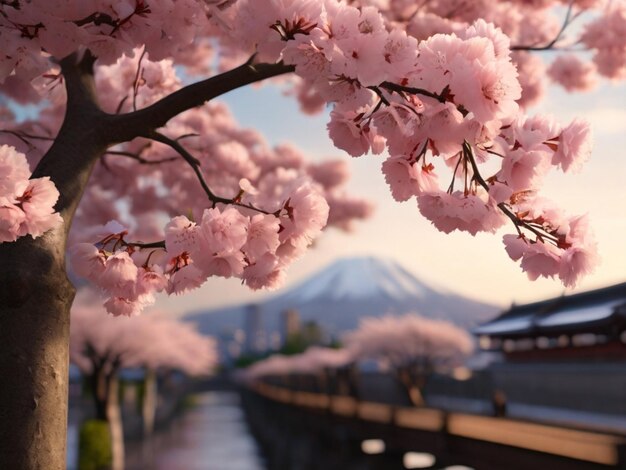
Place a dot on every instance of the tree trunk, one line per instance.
(413, 383)
(149, 402)
(35, 300)
(36, 296)
(105, 391)
(99, 389)
(114, 417)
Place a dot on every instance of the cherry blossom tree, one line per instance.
(321, 363)
(314, 360)
(127, 126)
(412, 346)
(101, 345)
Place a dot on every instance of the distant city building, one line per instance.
(289, 324)
(589, 325)
(255, 341)
(230, 346)
(274, 341)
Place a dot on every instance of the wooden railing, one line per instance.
(594, 447)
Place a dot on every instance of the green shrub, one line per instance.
(94, 446)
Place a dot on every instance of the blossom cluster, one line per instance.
(36, 31)
(448, 103)
(108, 28)
(252, 244)
(26, 205)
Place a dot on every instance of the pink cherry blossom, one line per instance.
(572, 73)
(26, 205)
(347, 134)
(185, 279)
(119, 306)
(605, 36)
(574, 146)
(407, 179)
(489, 90)
(581, 257)
(120, 275)
(306, 214)
(330, 174)
(87, 261)
(449, 212)
(222, 231)
(540, 259)
(37, 202)
(522, 169)
(13, 170)
(577, 261)
(181, 235)
(150, 279)
(225, 264)
(531, 71)
(11, 219)
(262, 236)
(264, 273)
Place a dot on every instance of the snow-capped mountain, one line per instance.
(349, 289)
(358, 278)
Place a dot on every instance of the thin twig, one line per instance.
(23, 135)
(136, 81)
(195, 165)
(537, 230)
(568, 20)
(158, 244)
(441, 97)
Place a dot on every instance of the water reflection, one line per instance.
(211, 436)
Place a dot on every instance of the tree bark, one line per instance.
(35, 298)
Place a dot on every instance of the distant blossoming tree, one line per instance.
(314, 360)
(438, 86)
(413, 347)
(100, 346)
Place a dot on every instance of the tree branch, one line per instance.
(82, 139)
(193, 161)
(139, 158)
(137, 123)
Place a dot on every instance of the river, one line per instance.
(212, 435)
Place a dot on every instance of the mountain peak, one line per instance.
(359, 278)
(349, 289)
